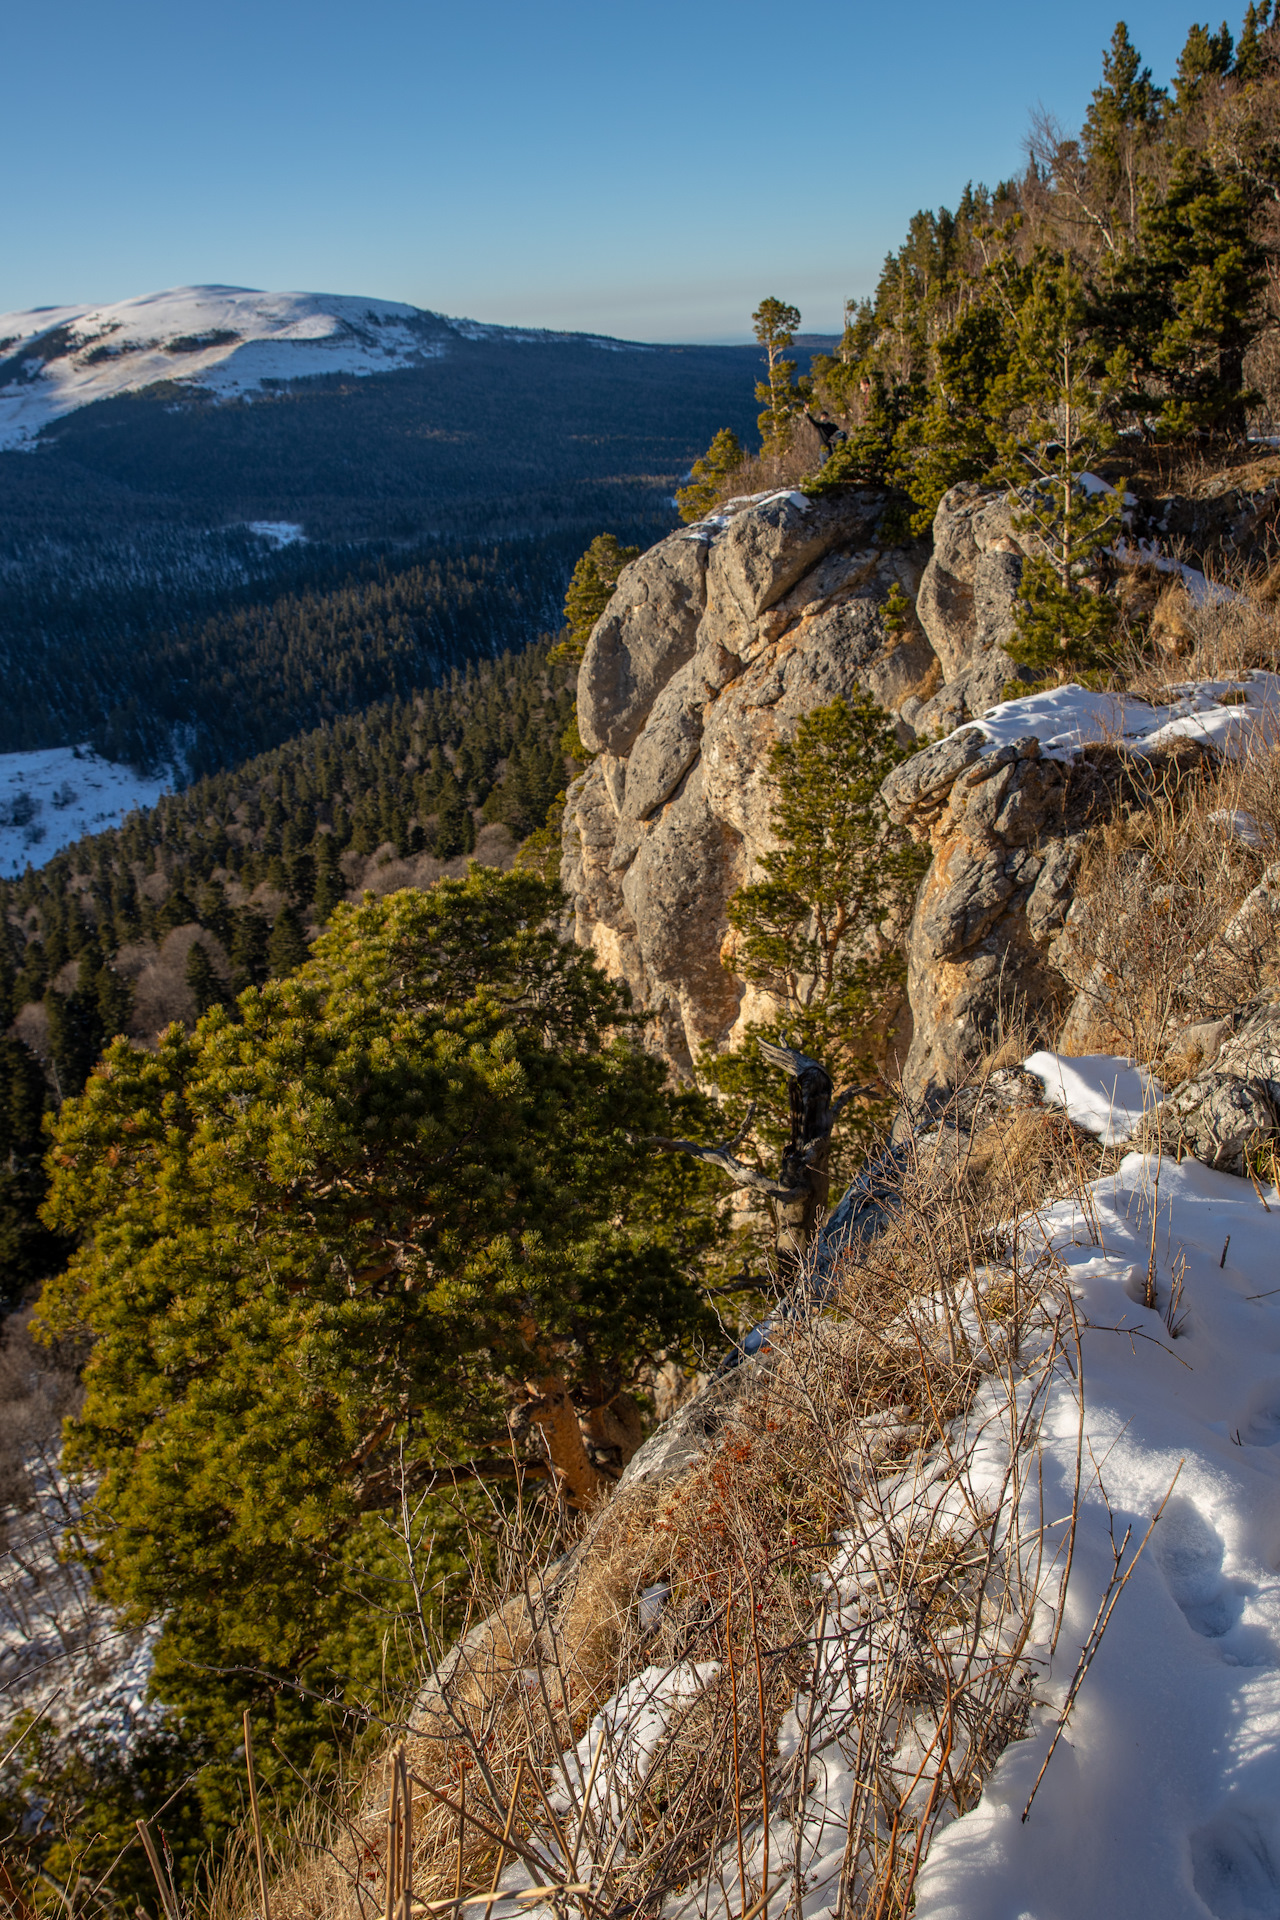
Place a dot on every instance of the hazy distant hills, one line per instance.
(170, 460)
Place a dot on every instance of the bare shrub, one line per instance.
(160, 991)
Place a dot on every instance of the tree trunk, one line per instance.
(550, 1406)
(807, 1154)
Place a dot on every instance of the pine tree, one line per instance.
(711, 475)
(1194, 296)
(775, 326)
(590, 590)
(1053, 400)
(953, 439)
(325, 1253)
(822, 930)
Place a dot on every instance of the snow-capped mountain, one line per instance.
(226, 341)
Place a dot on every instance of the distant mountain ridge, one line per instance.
(226, 342)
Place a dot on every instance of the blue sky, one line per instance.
(646, 170)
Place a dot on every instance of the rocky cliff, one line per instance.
(715, 643)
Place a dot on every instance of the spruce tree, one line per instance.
(1205, 61)
(1053, 402)
(287, 947)
(203, 982)
(1122, 118)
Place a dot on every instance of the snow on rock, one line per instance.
(1101, 1092)
(229, 342)
(56, 795)
(1163, 1796)
(1146, 553)
(711, 524)
(1226, 714)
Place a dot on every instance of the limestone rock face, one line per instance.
(645, 633)
(716, 641)
(1000, 821)
(968, 605)
(1232, 1104)
(1007, 829)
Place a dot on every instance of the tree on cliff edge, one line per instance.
(821, 931)
(389, 1230)
(775, 327)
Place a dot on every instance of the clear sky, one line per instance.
(649, 171)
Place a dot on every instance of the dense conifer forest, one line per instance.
(139, 611)
(243, 678)
(242, 867)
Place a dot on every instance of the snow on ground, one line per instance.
(1147, 553)
(278, 533)
(55, 795)
(1224, 713)
(1163, 1797)
(1104, 1095)
(63, 1653)
(229, 341)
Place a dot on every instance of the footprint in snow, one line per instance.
(1235, 1864)
(1261, 1424)
(1190, 1553)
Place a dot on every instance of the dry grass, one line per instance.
(1168, 924)
(1213, 640)
(839, 1591)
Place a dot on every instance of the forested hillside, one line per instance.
(219, 887)
(227, 685)
(129, 529)
(1113, 308)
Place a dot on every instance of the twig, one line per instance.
(1106, 1607)
(257, 1821)
(168, 1899)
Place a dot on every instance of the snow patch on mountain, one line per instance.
(226, 342)
(56, 795)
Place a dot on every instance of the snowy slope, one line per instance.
(1163, 1796)
(52, 797)
(226, 341)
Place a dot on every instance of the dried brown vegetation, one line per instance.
(781, 1668)
(1174, 921)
